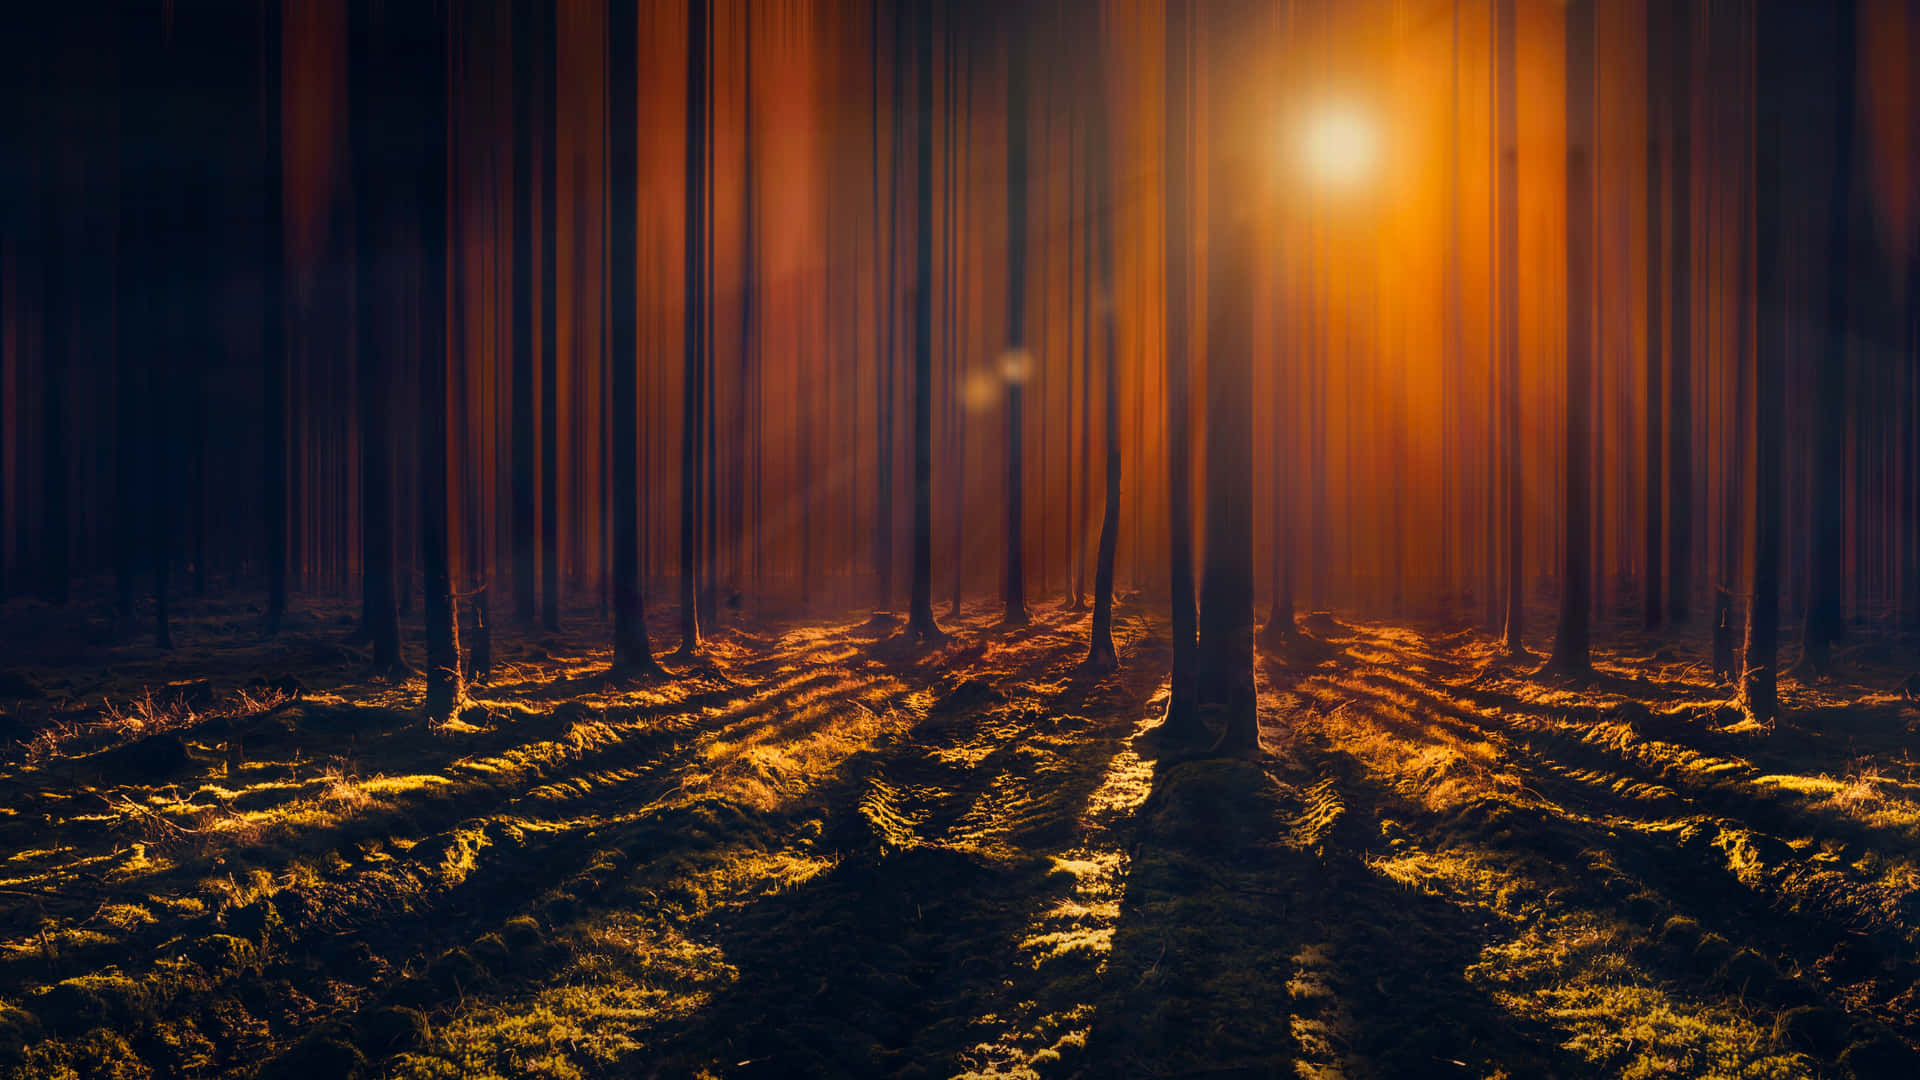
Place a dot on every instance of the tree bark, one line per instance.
(1017, 363)
(1182, 719)
(1226, 603)
(920, 603)
(694, 326)
(273, 335)
(367, 105)
(428, 54)
(632, 650)
(1679, 103)
(1509, 260)
(1824, 556)
(1571, 642)
(525, 96)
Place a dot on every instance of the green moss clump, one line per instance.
(1712, 954)
(1680, 935)
(1880, 1054)
(391, 1029)
(89, 1001)
(19, 1029)
(1748, 973)
(523, 933)
(323, 1057)
(223, 953)
(1813, 1028)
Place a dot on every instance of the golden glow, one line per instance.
(1339, 144)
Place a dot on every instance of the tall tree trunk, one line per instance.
(695, 322)
(1824, 554)
(526, 95)
(632, 650)
(1226, 602)
(1017, 364)
(920, 606)
(273, 331)
(1679, 102)
(1733, 510)
(429, 53)
(373, 286)
(134, 343)
(1774, 93)
(1182, 719)
(888, 357)
(1509, 260)
(1101, 655)
(549, 317)
(1570, 647)
(1658, 75)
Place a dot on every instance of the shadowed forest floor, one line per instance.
(821, 852)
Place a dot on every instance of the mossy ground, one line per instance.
(822, 851)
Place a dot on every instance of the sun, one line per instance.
(1338, 144)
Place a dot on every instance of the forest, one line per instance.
(578, 539)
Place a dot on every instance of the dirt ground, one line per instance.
(821, 852)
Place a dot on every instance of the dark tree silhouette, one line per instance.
(695, 324)
(549, 317)
(632, 650)
(1775, 45)
(525, 146)
(920, 605)
(1824, 624)
(1226, 601)
(1508, 260)
(273, 339)
(1100, 652)
(1016, 364)
(427, 52)
(1677, 102)
(371, 145)
(1658, 74)
(1183, 719)
(1571, 641)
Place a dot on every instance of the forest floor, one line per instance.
(821, 852)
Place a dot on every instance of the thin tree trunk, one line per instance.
(273, 336)
(367, 105)
(1571, 642)
(1101, 655)
(695, 274)
(1182, 719)
(549, 318)
(1654, 586)
(920, 608)
(632, 651)
(1226, 603)
(1017, 363)
(429, 54)
(1679, 103)
(1509, 260)
(526, 95)
(1774, 89)
(1824, 554)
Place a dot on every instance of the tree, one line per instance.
(1226, 602)
(1678, 101)
(1775, 42)
(693, 344)
(525, 34)
(632, 651)
(1100, 652)
(1658, 74)
(428, 52)
(1509, 272)
(371, 143)
(1183, 718)
(273, 329)
(1016, 363)
(549, 318)
(1823, 621)
(920, 622)
(1571, 641)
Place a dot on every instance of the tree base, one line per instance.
(631, 671)
(1101, 659)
